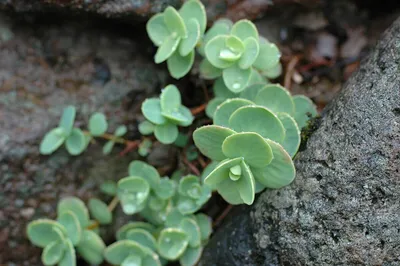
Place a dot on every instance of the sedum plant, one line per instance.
(164, 115)
(176, 34)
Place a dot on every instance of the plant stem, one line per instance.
(114, 202)
(198, 109)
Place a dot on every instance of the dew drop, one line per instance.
(236, 85)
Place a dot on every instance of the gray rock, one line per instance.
(344, 206)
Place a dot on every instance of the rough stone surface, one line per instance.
(44, 66)
(344, 206)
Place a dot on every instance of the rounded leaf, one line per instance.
(213, 50)
(235, 45)
(157, 29)
(132, 260)
(41, 232)
(165, 189)
(208, 71)
(276, 98)
(120, 131)
(174, 218)
(170, 98)
(142, 237)
(305, 109)
(188, 44)
(99, 211)
(256, 78)
(229, 191)
(174, 22)
(252, 147)
(156, 204)
(220, 27)
(220, 90)
(251, 91)
(167, 48)
(146, 128)
(194, 9)
(71, 223)
(52, 140)
(187, 183)
(109, 187)
(251, 50)
(274, 72)
(152, 260)
(292, 139)
(205, 225)
(172, 242)
(151, 109)
(212, 106)
(257, 119)
(76, 206)
(268, 56)
(178, 65)
(221, 172)
(53, 253)
(190, 227)
(107, 148)
(191, 256)
(227, 108)
(117, 252)
(167, 133)
(76, 142)
(123, 231)
(209, 140)
(91, 247)
(98, 124)
(67, 119)
(133, 192)
(244, 29)
(147, 171)
(182, 117)
(235, 78)
(69, 258)
(280, 172)
(246, 184)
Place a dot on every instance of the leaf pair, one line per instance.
(192, 195)
(176, 34)
(165, 114)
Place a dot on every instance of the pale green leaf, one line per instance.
(147, 171)
(67, 119)
(76, 142)
(276, 98)
(151, 109)
(274, 72)
(179, 66)
(188, 44)
(167, 48)
(250, 92)
(212, 106)
(91, 247)
(99, 211)
(133, 192)
(53, 253)
(220, 90)
(205, 224)
(244, 29)
(170, 98)
(120, 131)
(107, 148)
(146, 127)
(165, 189)
(235, 78)
(98, 124)
(41, 232)
(52, 140)
(268, 56)
(227, 108)
(194, 9)
(167, 133)
(71, 223)
(191, 256)
(172, 242)
(251, 50)
(213, 50)
(191, 228)
(246, 184)
(208, 71)
(142, 237)
(117, 252)
(174, 22)
(76, 206)
(221, 172)
(292, 139)
(69, 258)
(122, 231)
(109, 187)
(157, 29)
(305, 109)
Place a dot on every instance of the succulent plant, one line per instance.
(176, 34)
(192, 195)
(165, 113)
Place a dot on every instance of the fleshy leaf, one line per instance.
(191, 256)
(120, 131)
(292, 139)
(257, 119)
(142, 237)
(67, 119)
(220, 27)
(235, 44)
(246, 184)
(212, 106)
(107, 148)
(174, 218)
(182, 117)
(305, 109)
(205, 225)
(167, 133)
(165, 189)
(167, 48)
(98, 124)
(251, 91)
(187, 183)
(157, 29)
(252, 147)
(53, 253)
(256, 78)
(132, 260)
(194, 9)
(133, 192)
(122, 231)
(170, 98)
(276, 98)
(77, 207)
(117, 252)
(179, 66)
(221, 172)
(250, 53)
(188, 44)
(221, 91)
(151, 109)
(147, 171)
(229, 191)
(91, 247)
(208, 71)
(76, 142)
(146, 127)
(268, 56)
(190, 227)
(109, 187)
(274, 72)
(69, 258)
(99, 211)
(213, 50)
(41, 232)
(152, 260)
(227, 108)
(52, 140)
(209, 140)
(71, 223)
(244, 29)
(280, 172)
(172, 242)
(156, 204)
(174, 22)
(235, 78)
